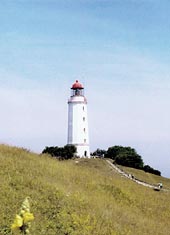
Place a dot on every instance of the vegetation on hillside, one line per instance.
(125, 156)
(62, 153)
(82, 196)
(150, 169)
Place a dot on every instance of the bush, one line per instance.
(130, 160)
(125, 156)
(66, 152)
(149, 169)
(99, 153)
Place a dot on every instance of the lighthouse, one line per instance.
(77, 121)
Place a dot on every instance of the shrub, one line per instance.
(125, 156)
(66, 152)
(149, 169)
(130, 160)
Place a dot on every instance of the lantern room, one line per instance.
(77, 89)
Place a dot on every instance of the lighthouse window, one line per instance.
(83, 108)
(84, 129)
(83, 118)
(84, 140)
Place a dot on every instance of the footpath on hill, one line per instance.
(131, 177)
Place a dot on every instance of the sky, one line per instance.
(118, 49)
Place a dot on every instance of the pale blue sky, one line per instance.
(119, 50)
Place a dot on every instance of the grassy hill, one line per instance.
(79, 197)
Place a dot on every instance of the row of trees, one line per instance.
(125, 156)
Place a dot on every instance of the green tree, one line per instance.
(130, 160)
(66, 152)
(149, 169)
(113, 151)
(99, 152)
(69, 151)
(125, 156)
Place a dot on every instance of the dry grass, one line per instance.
(81, 198)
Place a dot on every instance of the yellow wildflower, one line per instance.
(22, 221)
(18, 222)
(27, 217)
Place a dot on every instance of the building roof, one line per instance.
(77, 85)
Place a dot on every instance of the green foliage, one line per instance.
(125, 156)
(149, 169)
(63, 153)
(113, 151)
(79, 197)
(130, 160)
(99, 153)
(69, 151)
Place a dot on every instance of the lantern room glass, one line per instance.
(77, 92)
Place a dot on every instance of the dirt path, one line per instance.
(130, 177)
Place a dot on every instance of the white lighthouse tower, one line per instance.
(77, 121)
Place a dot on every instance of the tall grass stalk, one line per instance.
(22, 222)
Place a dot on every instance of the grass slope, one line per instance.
(84, 198)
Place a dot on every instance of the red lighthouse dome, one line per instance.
(77, 85)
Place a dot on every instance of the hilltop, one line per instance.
(80, 197)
